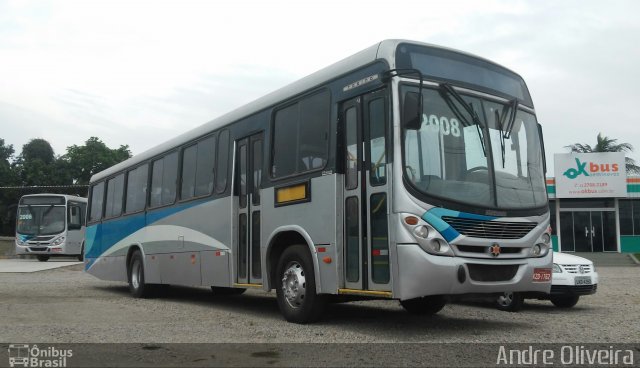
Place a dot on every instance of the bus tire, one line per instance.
(135, 271)
(509, 301)
(425, 305)
(42, 258)
(81, 255)
(564, 301)
(218, 290)
(296, 286)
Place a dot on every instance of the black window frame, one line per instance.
(90, 218)
(289, 104)
(145, 202)
(181, 177)
(214, 142)
(122, 198)
(177, 186)
(221, 180)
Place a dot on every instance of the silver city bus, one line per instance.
(50, 225)
(406, 171)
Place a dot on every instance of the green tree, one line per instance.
(36, 164)
(92, 157)
(8, 197)
(38, 149)
(7, 176)
(606, 144)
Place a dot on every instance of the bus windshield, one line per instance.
(41, 220)
(479, 160)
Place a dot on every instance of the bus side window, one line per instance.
(75, 218)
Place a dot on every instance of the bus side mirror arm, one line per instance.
(544, 156)
(412, 105)
(412, 111)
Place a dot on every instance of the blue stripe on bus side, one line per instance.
(102, 236)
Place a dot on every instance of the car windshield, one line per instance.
(479, 160)
(40, 220)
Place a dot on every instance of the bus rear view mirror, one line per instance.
(412, 111)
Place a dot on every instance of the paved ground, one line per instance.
(33, 265)
(65, 305)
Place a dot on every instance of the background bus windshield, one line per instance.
(41, 220)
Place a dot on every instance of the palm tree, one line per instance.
(606, 144)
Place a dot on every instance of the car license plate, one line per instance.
(541, 274)
(583, 280)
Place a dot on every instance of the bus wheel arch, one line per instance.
(136, 275)
(280, 240)
(297, 298)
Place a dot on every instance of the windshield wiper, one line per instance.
(512, 118)
(446, 90)
(505, 131)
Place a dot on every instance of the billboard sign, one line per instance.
(589, 175)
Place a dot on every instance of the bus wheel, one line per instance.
(425, 305)
(81, 255)
(509, 301)
(565, 301)
(137, 286)
(296, 286)
(217, 290)
(43, 258)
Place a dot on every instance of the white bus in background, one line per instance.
(406, 171)
(50, 225)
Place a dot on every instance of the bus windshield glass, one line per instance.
(473, 155)
(41, 220)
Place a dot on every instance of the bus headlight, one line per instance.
(421, 231)
(59, 241)
(19, 242)
(546, 238)
(539, 250)
(426, 236)
(536, 250)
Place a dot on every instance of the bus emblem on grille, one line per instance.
(495, 250)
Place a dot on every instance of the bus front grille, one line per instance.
(489, 273)
(490, 229)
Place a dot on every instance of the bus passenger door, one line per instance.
(248, 176)
(366, 241)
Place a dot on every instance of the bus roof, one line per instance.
(384, 50)
(66, 196)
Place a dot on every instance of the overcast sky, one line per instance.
(141, 72)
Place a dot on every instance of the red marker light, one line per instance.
(411, 220)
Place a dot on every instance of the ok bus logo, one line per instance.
(593, 168)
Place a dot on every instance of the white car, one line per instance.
(572, 277)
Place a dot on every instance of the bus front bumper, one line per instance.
(421, 274)
(39, 249)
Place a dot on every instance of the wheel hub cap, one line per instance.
(135, 275)
(294, 285)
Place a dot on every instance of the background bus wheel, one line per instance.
(217, 290)
(43, 258)
(81, 255)
(296, 286)
(564, 301)
(137, 286)
(510, 301)
(425, 305)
